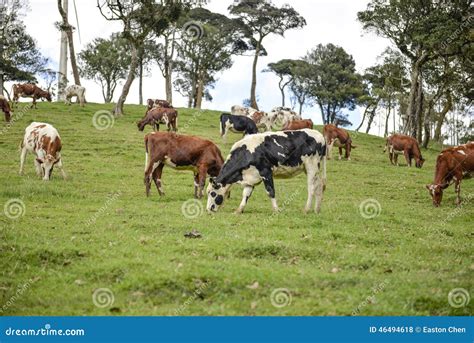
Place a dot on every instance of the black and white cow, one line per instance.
(237, 124)
(75, 91)
(261, 157)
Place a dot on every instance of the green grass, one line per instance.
(98, 230)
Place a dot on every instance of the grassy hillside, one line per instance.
(97, 230)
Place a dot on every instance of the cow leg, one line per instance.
(38, 168)
(395, 159)
(348, 151)
(267, 177)
(61, 168)
(319, 187)
(311, 175)
(247, 192)
(390, 156)
(157, 178)
(457, 187)
(407, 157)
(147, 179)
(22, 160)
(202, 179)
(330, 146)
(340, 153)
(34, 102)
(196, 185)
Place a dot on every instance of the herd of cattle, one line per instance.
(258, 157)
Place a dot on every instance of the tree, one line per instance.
(105, 61)
(164, 56)
(334, 83)
(206, 48)
(423, 31)
(283, 69)
(68, 28)
(261, 18)
(141, 19)
(300, 84)
(20, 58)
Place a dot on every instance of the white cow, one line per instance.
(43, 141)
(77, 91)
(280, 116)
(238, 110)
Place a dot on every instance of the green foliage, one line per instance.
(20, 58)
(334, 82)
(98, 230)
(106, 61)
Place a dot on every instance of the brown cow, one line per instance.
(180, 152)
(451, 166)
(298, 125)
(152, 103)
(42, 140)
(29, 90)
(5, 107)
(406, 145)
(339, 137)
(157, 116)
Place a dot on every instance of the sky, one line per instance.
(328, 21)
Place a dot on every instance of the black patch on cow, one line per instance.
(219, 200)
(239, 123)
(273, 151)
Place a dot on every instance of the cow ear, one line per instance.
(39, 160)
(444, 185)
(428, 187)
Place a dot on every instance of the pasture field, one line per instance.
(95, 245)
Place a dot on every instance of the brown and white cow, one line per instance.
(152, 103)
(159, 115)
(262, 120)
(338, 137)
(281, 116)
(5, 107)
(451, 166)
(201, 156)
(406, 145)
(29, 90)
(298, 125)
(43, 141)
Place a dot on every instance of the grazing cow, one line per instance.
(451, 166)
(180, 152)
(5, 107)
(237, 110)
(260, 157)
(406, 145)
(262, 120)
(152, 103)
(42, 140)
(159, 115)
(280, 116)
(75, 90)
(29, 90)
(338, 137)
(298, 125)
(236, 124)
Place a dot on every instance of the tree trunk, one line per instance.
(427, 125)
(68, 29)
(389, 109)
(363, 117)
(372, 116)
(200, 91)
(411, 123)
(140, 78)
(1, 83)
(128, 83)
(419, 110)
(441, 116)
(253, 88)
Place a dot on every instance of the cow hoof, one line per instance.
(238, 211)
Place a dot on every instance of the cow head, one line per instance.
(436, 192)
(141, 125)
(46, 95)
(47, 164)
(216, 193)
(419, 162)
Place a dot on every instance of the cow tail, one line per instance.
(146, 152)
(323, 161)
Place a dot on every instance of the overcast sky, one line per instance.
(329, 21)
